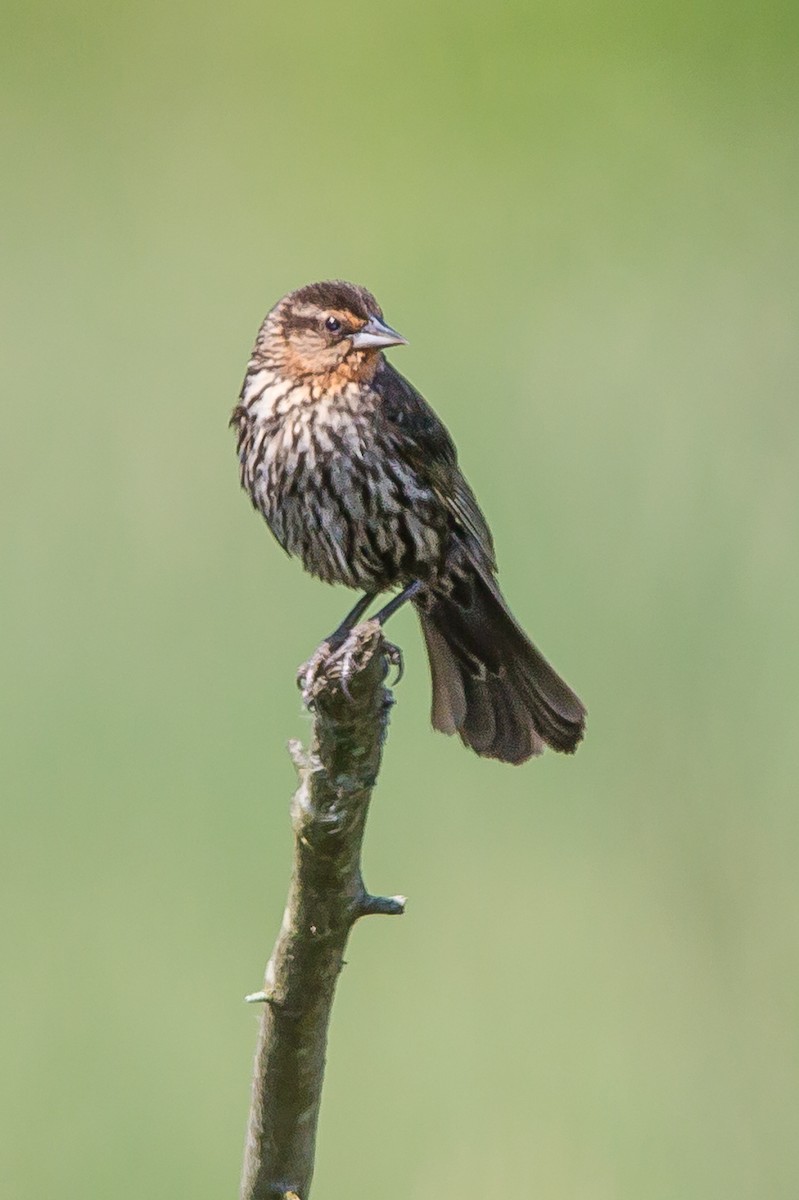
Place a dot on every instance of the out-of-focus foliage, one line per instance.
(584, 217)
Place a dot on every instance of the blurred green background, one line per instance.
(584, 218)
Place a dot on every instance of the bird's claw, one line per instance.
(347, 654)
(309, 672)
(323, 658)
(394, 657)
(391, 653)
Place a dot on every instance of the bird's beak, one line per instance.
(376, 333)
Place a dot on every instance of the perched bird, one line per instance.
(356, 475)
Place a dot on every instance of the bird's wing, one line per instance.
(424, 442)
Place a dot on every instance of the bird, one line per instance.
(357, 476)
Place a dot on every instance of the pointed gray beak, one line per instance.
(376, 333)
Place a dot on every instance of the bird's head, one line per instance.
(333, 329)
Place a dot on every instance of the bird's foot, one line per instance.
(337, 660)
(309, 674)
(341, 659)
(393, 656)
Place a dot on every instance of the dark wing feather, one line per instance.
(424, 442)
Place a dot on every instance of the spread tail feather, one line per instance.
(490, 684)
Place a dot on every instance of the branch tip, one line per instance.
(256, 998)
(297, 754)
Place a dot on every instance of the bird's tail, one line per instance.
(490, 684)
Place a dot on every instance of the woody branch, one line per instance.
(326, 897)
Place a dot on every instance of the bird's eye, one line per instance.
(333, 324)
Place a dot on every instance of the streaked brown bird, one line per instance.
(356, 475)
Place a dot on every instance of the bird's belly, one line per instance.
(348, 514)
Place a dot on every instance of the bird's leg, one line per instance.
(406, 594)
(393, 653)
(339, 635)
